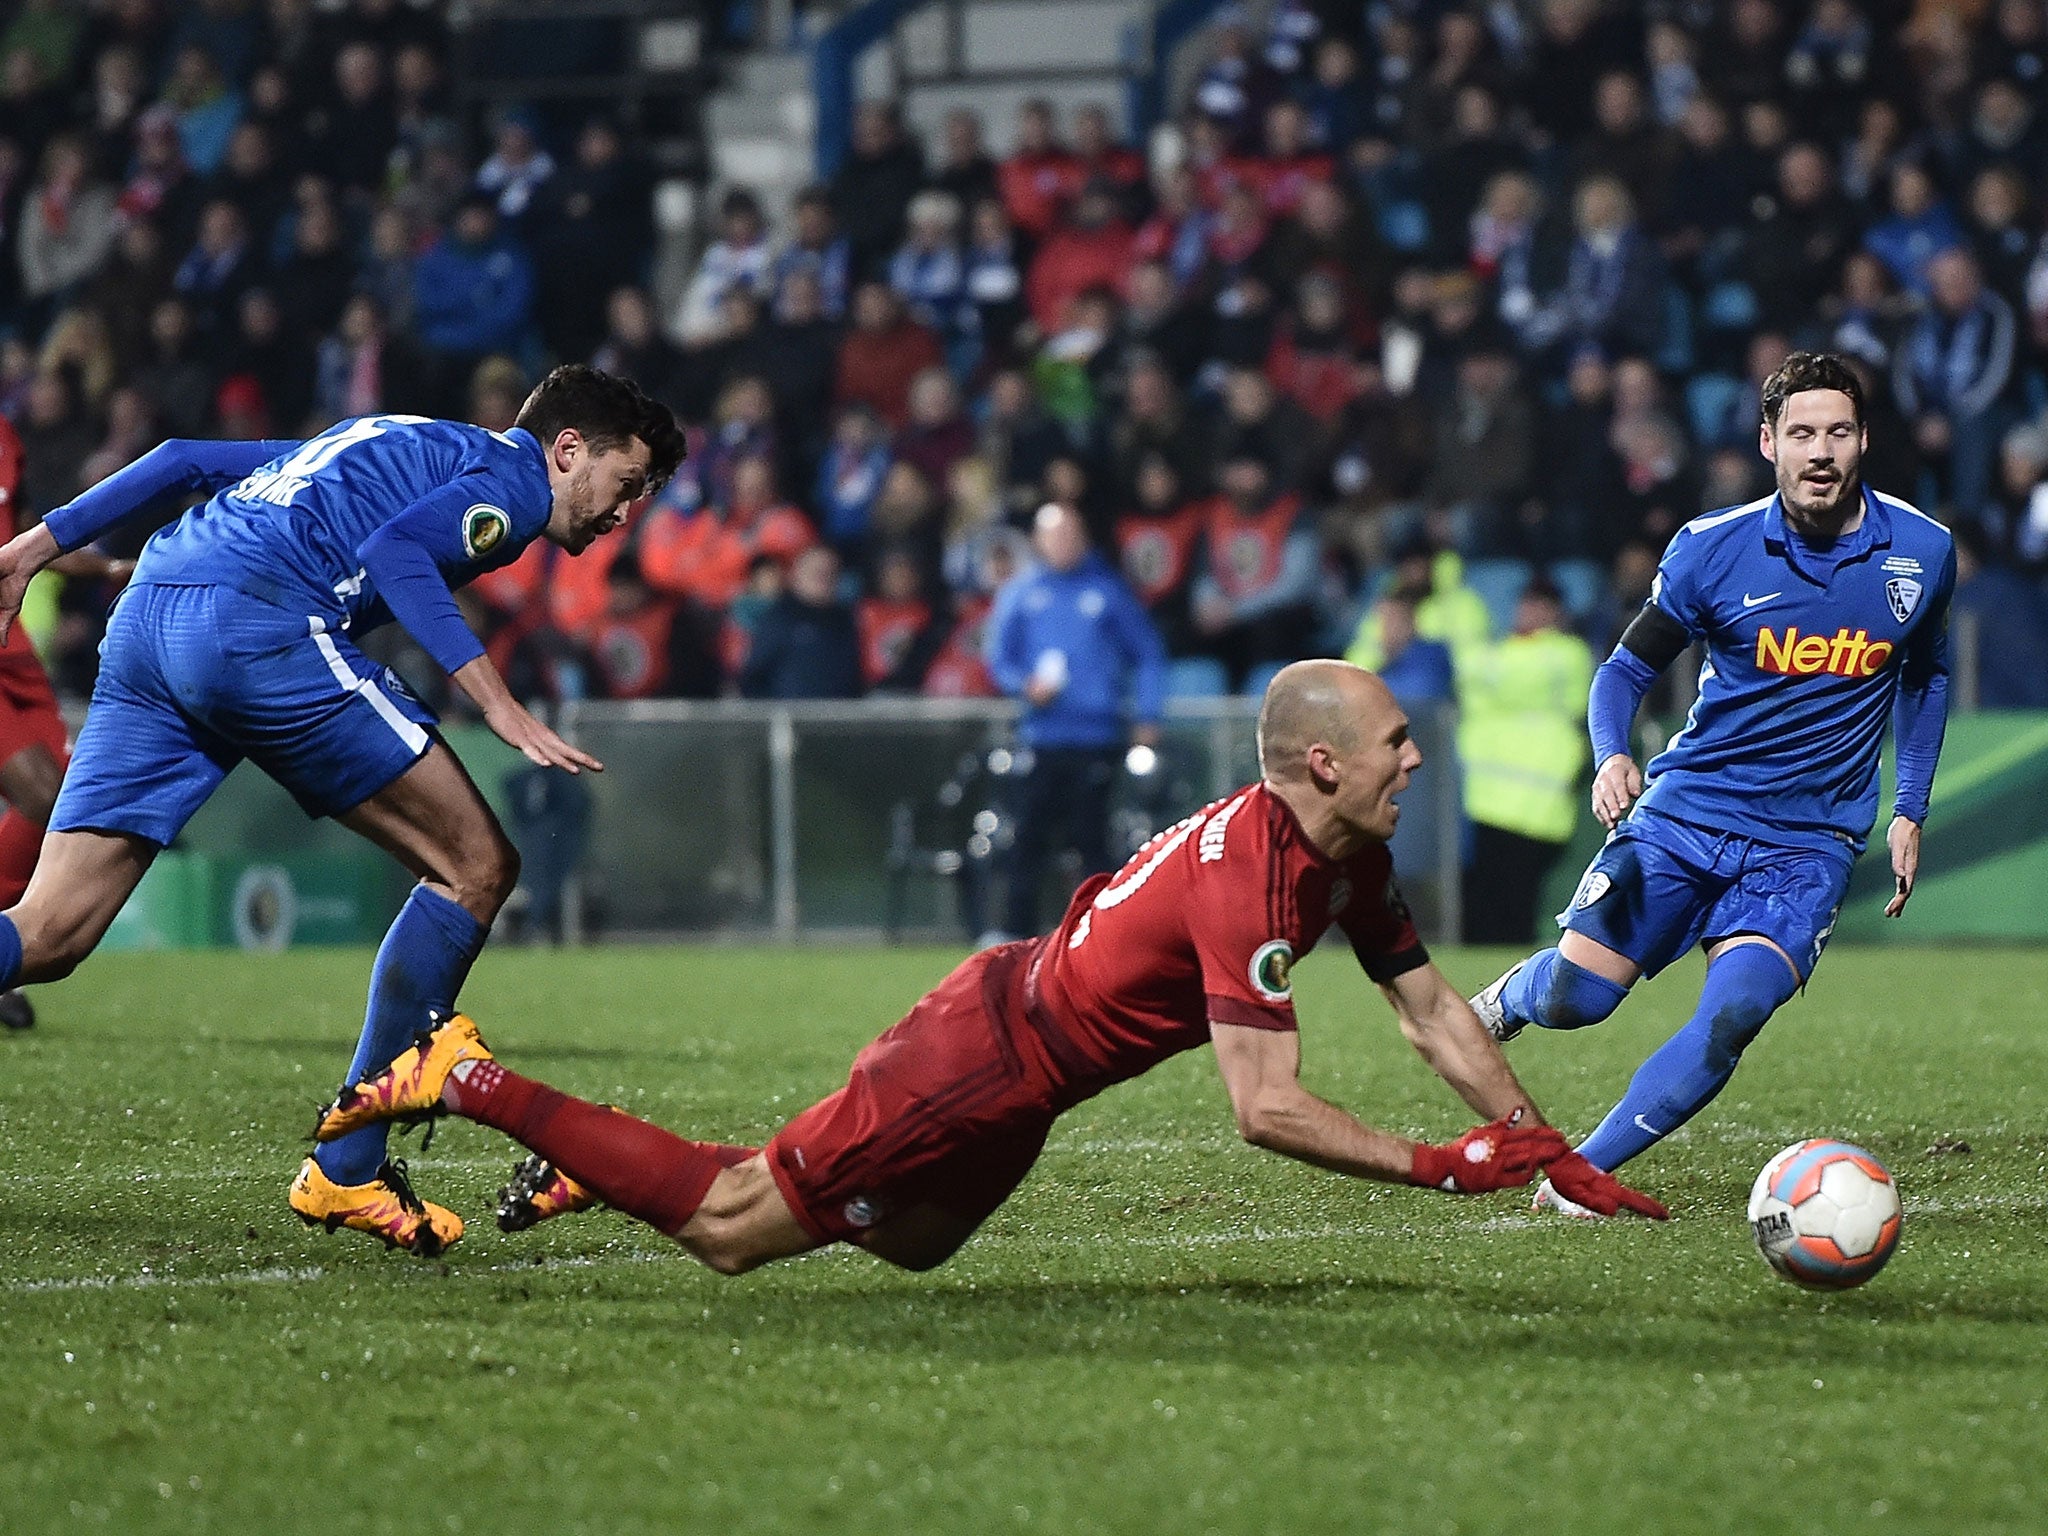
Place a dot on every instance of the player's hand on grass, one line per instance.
(1615, 788)
(1903, 838)
(1579, 1181)
(516, 727)
(1502, 1154)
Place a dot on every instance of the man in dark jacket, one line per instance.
(806, 645)
(873, 189)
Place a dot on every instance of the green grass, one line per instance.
(1164, 1331)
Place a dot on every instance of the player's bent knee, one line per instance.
(918, 1239)
(504, 871)
(744, 1222)
(1572, 997)
(484, 881)
(721, 1259)
(726, 1247)
(54, 945)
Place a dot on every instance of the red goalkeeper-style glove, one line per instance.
(1579, 1181)
(1502, 1154)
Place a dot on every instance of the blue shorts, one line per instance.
(1660, 886)
(194, 679)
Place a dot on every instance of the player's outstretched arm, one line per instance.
(514, 724)
(1441, 1026)
(1447, 1034)
(1261, 1069)
(36, 549)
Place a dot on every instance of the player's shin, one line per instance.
(425, 957)
(1554, 993)
(1745, 986)
(636, 1167)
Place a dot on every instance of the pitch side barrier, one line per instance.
(871, 821)
(889, 819)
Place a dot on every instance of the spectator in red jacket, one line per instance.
(1094, 250)
(1040, 177)
(1098, 156)
(1315, 350)
(648, 645)
(895, 625)
(1289, 163)
(882, 353)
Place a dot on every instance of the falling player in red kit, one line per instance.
(33, 750)
(1191, 942)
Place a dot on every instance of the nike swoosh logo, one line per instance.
(1751, 602)
(1647, 1126)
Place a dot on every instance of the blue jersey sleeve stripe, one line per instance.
(1716, 519)
(1906, 506)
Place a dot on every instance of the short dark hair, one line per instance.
(609, 411)
(1803, 371)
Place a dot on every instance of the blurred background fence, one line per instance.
(732, 819)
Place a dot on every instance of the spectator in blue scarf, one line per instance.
(1951, 376)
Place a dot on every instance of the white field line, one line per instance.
(1186, 1241)
(282, 1275)
(281, 1171)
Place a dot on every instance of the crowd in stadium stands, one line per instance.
(1421, 309)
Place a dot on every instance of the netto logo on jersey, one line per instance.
(1272, 971)
(1845, 655)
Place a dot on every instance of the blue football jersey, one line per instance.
(292, 531)
(1806, 654)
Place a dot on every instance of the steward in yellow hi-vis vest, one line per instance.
(1446, 610)
(1521, 739)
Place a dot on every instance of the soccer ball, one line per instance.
(1825, 1214)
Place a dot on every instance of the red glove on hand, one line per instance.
(1502, 1154)
(1578, 1180)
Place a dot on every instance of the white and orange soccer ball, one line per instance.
(1825, 1214)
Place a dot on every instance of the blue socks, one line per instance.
(10, 953)
(1744, 987)
(421, 965)
(1552, 992)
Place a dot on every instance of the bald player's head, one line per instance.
(1331, 703)
(1334, 745)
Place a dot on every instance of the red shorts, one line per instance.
(950, 1108)
(29, 715)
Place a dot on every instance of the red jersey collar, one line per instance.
(1292, 824)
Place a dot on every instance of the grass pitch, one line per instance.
(1164, 1331)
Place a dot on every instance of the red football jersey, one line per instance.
(1206, 922)
(17, 650)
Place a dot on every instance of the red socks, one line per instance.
(639, 1168)
(21, 842)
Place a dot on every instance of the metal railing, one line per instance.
(891, 818)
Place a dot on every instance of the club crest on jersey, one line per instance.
(1841, 654)
(1272, 971)
(1903, 593)
(1340, 895)
(1591, 889)
(861, 1212)
(483, 529)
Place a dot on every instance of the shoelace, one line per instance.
(393, 1176)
